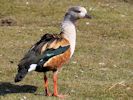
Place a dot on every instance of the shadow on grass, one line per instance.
(9, 88)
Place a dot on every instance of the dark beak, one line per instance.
(88, 16)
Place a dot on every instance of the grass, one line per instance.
(101, 68)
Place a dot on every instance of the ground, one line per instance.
(102, 65)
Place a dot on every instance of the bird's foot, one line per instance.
(60, 96)
(48, 94)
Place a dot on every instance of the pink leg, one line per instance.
(55, 86)
(46, 85)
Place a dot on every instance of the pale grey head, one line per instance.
(75, 13)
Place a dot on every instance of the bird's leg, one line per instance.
(55, 86)
(46, 85)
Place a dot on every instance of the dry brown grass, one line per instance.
(103, 56)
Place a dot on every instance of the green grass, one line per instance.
(101, 68)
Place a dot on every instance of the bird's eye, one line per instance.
(77, 11)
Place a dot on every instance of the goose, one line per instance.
(53, 50)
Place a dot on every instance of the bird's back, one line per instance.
(38, 53)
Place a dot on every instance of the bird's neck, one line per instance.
(69, 32)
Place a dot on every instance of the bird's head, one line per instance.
(77, 12)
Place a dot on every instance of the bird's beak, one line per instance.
(88, 16)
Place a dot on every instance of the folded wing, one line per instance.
(49, 53)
